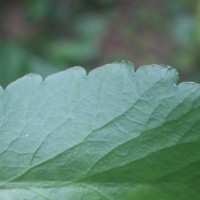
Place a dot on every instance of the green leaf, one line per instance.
(114, 134)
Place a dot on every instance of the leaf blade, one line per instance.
(112, 134)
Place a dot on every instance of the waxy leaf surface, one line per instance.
(114, 134)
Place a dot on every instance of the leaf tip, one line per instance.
(125, 63)
(162, 71)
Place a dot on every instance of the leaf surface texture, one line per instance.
(114, 134)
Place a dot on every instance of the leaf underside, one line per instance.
(114, 134)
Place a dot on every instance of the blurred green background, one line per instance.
(46, 36)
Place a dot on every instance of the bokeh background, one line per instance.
(46, 36)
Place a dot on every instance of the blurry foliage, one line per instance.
(47, 36)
